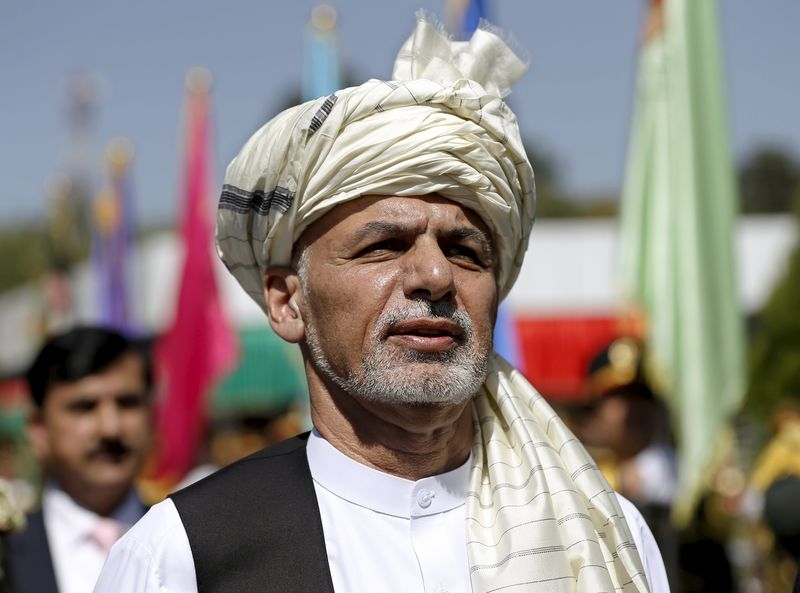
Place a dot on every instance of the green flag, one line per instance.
(678, 214)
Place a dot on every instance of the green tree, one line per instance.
(775, 344)
(768, 179)
(550, 199)
(28, 255)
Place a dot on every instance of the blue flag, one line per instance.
(113, 242)
(321, 74)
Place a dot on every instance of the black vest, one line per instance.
(254, 526)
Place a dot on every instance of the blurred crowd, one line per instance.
(743, 533)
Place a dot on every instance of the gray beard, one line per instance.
(394, 376)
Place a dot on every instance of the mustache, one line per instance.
(114, 448)
(430, 309)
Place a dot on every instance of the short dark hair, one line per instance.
(76, 354)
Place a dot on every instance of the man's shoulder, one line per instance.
(267, 470)
(257, 521)
(291, 446)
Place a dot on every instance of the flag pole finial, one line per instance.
(199, 80)
(119, 154)
(323, 17)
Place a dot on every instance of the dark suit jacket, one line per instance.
(28, 561)
(27, 558)
(255, 527)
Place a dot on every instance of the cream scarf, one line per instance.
(540, 515)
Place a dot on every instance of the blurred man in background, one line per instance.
(627, 430)
(91, 430)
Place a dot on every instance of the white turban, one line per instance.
(439, 126)
(540, 515)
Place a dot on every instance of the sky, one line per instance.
(575, 101)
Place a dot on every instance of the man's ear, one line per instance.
(282, 293)
(37, 435)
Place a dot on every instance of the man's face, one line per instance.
(94, 433)
(399, 299)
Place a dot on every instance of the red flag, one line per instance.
(200, 345)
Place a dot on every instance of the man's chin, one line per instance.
(420, 384)
(112, 475)
(434, 405)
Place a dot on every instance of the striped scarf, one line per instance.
(540, 515)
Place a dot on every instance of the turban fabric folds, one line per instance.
(442, 133)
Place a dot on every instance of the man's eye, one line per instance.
(130, 401)
(81, 406)
(388, 245)
(463, 252)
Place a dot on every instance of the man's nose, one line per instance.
(429, 273)
(109, 420)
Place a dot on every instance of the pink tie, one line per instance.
(105, 533)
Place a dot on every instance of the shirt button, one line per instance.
(425, 498)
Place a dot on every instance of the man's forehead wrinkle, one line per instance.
(471, 233)
(331, 220)
(379, 228)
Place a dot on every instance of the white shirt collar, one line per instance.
(78, 521)
(384, 493)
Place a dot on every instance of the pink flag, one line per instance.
(200, 346)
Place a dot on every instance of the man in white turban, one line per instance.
(379, 228)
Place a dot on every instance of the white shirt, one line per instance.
(77, 559)
(378, 528)
(407, 536)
